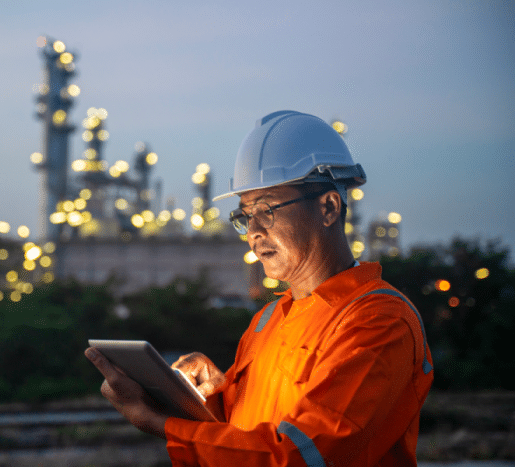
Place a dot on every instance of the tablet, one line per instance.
(141, 362)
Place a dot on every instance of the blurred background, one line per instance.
(120, 121)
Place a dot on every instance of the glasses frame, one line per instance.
(240, 213)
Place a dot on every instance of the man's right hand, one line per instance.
(206, 377)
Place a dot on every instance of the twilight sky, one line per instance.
(426, 88)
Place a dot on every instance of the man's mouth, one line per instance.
(264, 253)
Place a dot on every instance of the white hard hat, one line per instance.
(292, 147)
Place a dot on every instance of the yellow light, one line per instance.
(28, 245)
(79, 165)
(91, 122)
(86, 216)
(394, 217)
(29, 265)
(101, 113)
(49, 247)
(4, 254)
(380, 231)
(80, 204)
(340, 127)
(1, 295)
(27, 288)
(73, 90)
(103, 135)
(23, 231)
(66, 58)
(197, 221)
(393, 232)
(482, 273)
(137, 221)
(148, 216)
(203, 168)
(48, 277)
(4, 227)
(270, 283)
(250, 257)
(87, 136)
(179, 214)
(243, 237)
(121, 204)
(197, 202)
(45, 261)
(59, 117)
(85, 193)
(74, 218)
(212, 213)
(198, 178)
(11, 276)
(442, 285)
(151, 158)
(59, 47)
(349, 228)
(114, 172)
(357, 194)
(36, 158)
(57, 217)
(15, 296)
(90, 227)
(33, 253)
(90, 153)
(358, 246)
(164, 215)
(122, 166)
(68, 206)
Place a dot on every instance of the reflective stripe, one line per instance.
(266, 316)
(304, 443)
(426, 366)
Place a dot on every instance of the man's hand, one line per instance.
(206, 377)
(128, 397)
(202, 372)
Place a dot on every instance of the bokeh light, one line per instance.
(23, 231)
(482, 273)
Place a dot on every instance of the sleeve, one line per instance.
(357, 383)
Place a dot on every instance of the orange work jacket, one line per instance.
(334, 379)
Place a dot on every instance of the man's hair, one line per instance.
(314, 187)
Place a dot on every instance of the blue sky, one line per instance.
(426, 88)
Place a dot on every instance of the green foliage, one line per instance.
(472, 342)
(43, 336)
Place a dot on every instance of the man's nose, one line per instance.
(255, 229)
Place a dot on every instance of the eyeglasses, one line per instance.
(262, 212)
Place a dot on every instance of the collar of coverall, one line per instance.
(343, 283)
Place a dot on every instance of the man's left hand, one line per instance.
(128, 397)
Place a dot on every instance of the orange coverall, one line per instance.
(334, 379)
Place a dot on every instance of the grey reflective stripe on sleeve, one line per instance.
(266, 316)
(426, 366)
(304, 443)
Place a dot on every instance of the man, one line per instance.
(336, 370)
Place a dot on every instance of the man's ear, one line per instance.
(331, 205)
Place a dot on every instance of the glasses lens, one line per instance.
(263, 215)
(239, 220)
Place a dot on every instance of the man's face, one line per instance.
(288, 247)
